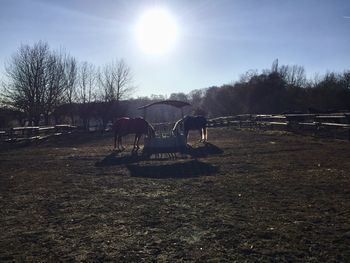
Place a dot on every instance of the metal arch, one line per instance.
(175, 103)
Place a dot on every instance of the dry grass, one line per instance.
(247, 196)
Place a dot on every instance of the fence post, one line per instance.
(347, 116)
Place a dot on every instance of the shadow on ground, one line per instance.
(6, 146)
(180, 170)
(114, 159)
(120, 158)
(75, 139)
(203, 151)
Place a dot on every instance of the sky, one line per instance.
(216, 41)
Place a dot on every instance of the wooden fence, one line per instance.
(326, 125)
(34, 133)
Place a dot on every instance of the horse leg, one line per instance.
(201, 134)
(115, 141)
(205, 134)
(138, 141)
(133, 149)
(120, 143)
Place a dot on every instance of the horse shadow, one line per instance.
(120, 158)
(182, 170)
(115, 159)
(203, 151)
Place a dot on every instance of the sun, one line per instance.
(156, 31)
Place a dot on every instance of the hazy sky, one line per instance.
(217, 40)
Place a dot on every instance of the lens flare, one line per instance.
(156, 31)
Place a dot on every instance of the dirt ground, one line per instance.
(246, 196)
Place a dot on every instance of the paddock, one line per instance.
(246, 196)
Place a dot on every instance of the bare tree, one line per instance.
(115, 80)
(70, 81)
(55, 84)
(36, 81)
(85, 93)
(274, 67)
(178, 96)
(293, 75)
(87, 77)
(26, 83)
(346, 79)
(247, 76)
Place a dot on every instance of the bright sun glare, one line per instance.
(156, 31)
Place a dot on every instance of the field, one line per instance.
(246, 196)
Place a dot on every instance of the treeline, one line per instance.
(277, 90)
(43, 87)
(280, 89)
(39, 82)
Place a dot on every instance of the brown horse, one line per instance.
(125, 126)
(192, 123)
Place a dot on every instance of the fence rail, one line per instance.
(34, 133)
(327, 125)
